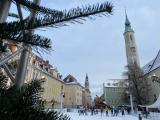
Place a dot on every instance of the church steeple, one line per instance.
(128, 27)
(130, 42)
(86, 82)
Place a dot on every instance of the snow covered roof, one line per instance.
(152, 65)
(70, 80)
(115, 83)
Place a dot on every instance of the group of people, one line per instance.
(103, 110)
(114, 111)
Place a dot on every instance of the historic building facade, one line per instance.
(41, 69)
(115, 92)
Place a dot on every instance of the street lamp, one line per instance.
(131, 100)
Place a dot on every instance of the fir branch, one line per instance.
(13, 15)
(34, 40)
(53, 21)
(25, 103)
(3, 82)
(30, 5)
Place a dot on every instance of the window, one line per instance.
(131, 37)
(133, 49)
(33, 75)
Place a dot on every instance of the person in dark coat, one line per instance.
(122, 111)
(92, 110)
(111, 111)
(101, 111)
(140, 117)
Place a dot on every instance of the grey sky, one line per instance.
(97, 47)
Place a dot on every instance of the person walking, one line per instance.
(112, 111)
(101, 111)
(85, 110)
(122, 111)
(106, 109)
(115, 112)
(140, 117)
(96, 111)
(92, 110)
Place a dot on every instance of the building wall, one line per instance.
(73, 95)
(52, 85)
(115, 96)
(87, 99)
(154, 91)
(115, 92)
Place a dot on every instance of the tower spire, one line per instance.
(86, 82)
(130, 42)
(128, 27)
(86, 77)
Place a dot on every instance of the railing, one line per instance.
(9, 56)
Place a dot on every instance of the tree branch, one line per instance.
(53, 21)
(30, 5)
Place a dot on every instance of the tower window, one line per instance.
(133, 49)
(131, 37)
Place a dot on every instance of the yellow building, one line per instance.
(73, 92)
(38, 69)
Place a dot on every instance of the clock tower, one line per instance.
(130, 42)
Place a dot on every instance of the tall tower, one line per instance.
(86, 83)
(130, 42)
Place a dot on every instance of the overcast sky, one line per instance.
(97, 47)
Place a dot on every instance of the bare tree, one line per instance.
(137, 84)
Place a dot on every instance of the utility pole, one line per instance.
(23, 63)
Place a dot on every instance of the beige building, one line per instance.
(38, 69)
(114, 92)
(73, 92)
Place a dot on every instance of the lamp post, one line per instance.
(131, 100)
(61, 98)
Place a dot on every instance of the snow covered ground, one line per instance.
(75, 116)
